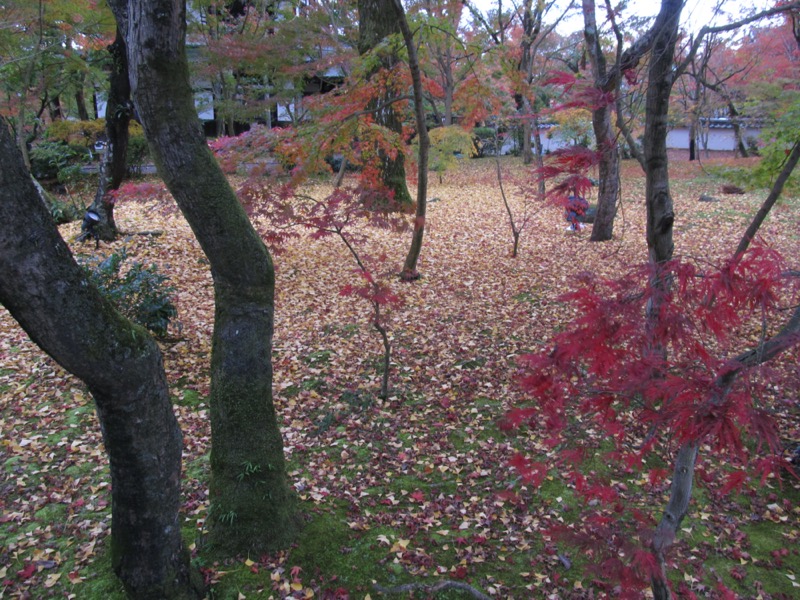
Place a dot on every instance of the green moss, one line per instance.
(190, 398)
(51, 513)
(328, 548)
(99, 581)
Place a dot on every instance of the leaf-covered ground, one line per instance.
(414, 489)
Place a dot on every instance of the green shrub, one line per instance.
(779, 138)
(64, 212)
(141, 294)
(484, 140)
(59, 161)
(138, 152)
(78, 133)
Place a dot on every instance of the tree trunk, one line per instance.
(605, 137)
(80, 99)
(376, 22)
(409, 272)
(608, 170)
(660, 215)
(733, 114)
(252, 507)
(48, 294)
(538, 155)
(677, 507)
(660, 219)
(531, 24)
(114, 162)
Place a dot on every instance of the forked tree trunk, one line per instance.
(252, 506)
(376, 22)
(48, 294)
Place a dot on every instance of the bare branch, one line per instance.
(432, 589)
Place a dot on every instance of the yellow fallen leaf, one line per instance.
(400, 546)
(52, 579)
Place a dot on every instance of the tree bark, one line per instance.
(252, 507)
(376, 22)
(114, 163)
(48, 294)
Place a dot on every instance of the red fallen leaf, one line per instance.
(460, 572)
(295, 572)
(478, 539)
(417, 496)
(738, 573)
(27, 572)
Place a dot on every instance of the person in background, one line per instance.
(574, 211)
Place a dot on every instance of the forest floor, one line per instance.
(417, 488)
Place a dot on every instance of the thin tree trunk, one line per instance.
(252, 507)
(80, 99)
(538, 155)
(677, 507)
(113, 166)
(48, 294)
(660, 219)
(605, 137)
(409, 272)
(772, 198)
(733, 114)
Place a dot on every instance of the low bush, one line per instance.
(141, 294)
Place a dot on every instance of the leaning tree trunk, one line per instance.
(114, 163)
(48, 294)
(376, 22)
(252, 508)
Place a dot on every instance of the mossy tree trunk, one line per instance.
(251, 501)
(48, 294)
(114, 163)
(377, 21)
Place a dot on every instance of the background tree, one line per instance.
(48, 294)
(47, 59)
(377, 23)
(251, 501)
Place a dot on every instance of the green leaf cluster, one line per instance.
(448, 144)
(141, 293)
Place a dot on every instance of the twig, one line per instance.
(432, 589)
